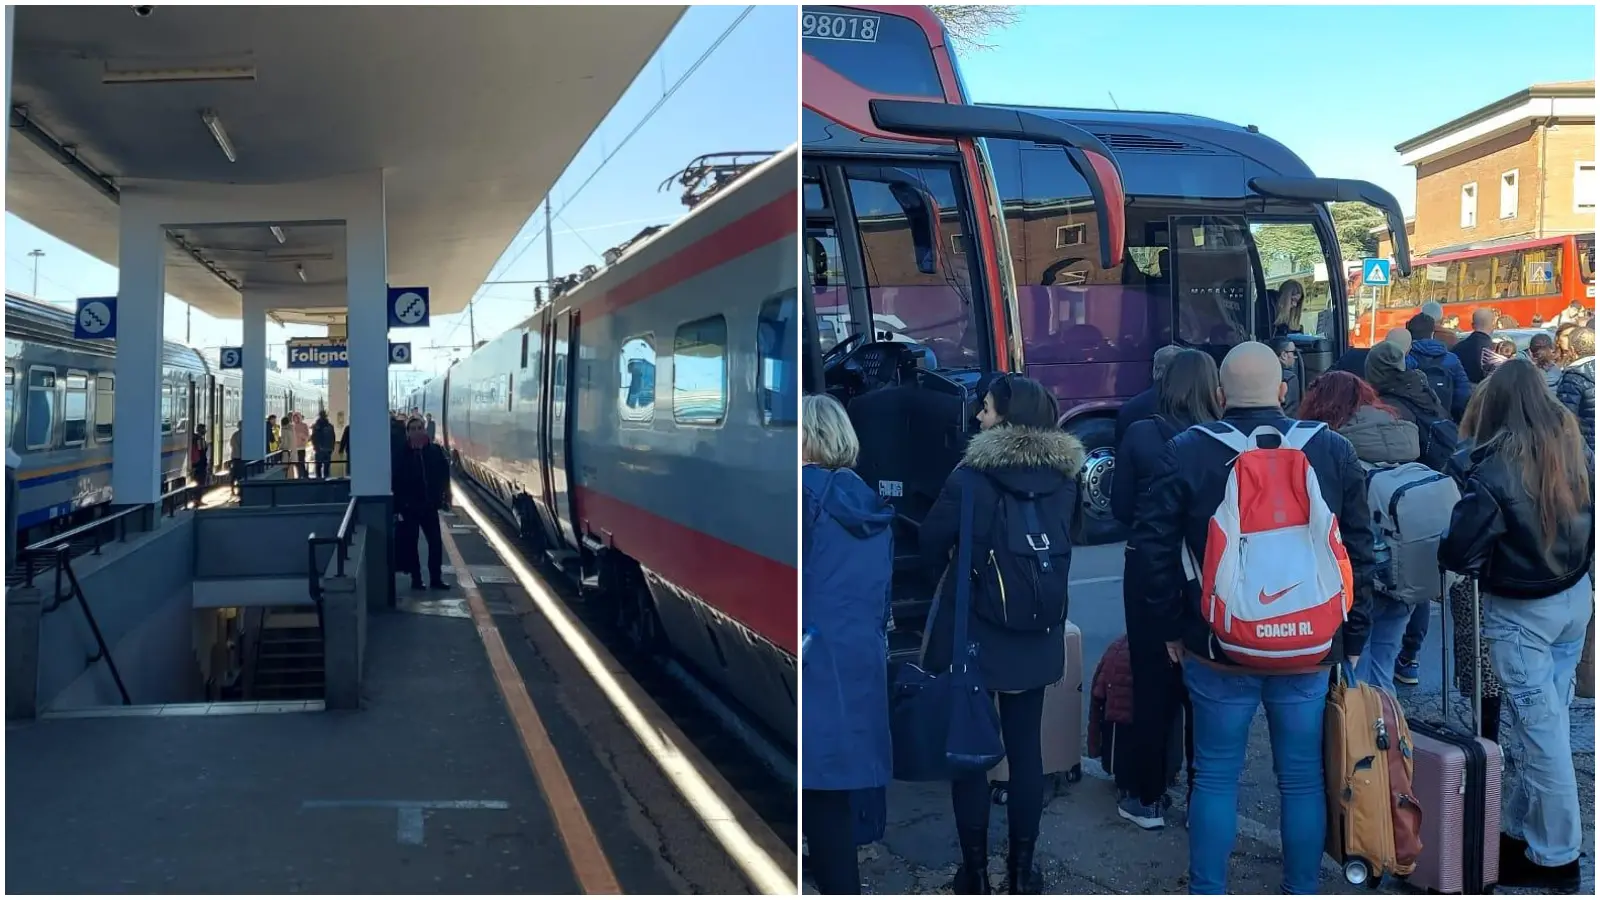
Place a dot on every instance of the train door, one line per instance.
(561, 336)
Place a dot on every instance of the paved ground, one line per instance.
(1085, 848)
(425, 790)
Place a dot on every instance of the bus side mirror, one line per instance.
(1337, 190)
(1087, 153)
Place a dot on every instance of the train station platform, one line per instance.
(482, 757)
(1086, 848)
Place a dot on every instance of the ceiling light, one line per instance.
(301, 271)
(215, 125)
(276, 232)
(189, 74)
(296, 256)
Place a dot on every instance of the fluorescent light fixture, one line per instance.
(276, 232)
(300, 270)
(215, 125)
(298, 256)
(186, 73)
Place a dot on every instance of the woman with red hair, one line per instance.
(1382, 438)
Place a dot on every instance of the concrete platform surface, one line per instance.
(426, 789)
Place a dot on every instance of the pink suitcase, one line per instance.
(1457, 783)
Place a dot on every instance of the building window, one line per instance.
(41, 419)
(1069, 235)
(1583, 187)
(700, 372)
(636, 398)
(75, 411)
(776, 350)
(1508, 194)
(1469, 205)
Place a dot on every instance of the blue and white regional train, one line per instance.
(60, 396)
(642, 430)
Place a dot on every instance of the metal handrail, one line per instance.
(341, 544)
(74, 591)
(96, 532)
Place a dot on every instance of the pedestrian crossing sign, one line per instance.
(1375, 271)
(1540, 273)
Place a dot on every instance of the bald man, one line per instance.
(1470, 349)
(1173, 515)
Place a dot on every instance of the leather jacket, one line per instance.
(1495, 532)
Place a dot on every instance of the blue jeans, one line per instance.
(1225, 702)
(1390, 621)
(1416, 632)
(1534, 646)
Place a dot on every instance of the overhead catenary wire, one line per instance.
(638, 126)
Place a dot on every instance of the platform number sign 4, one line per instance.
(399, 354)
(408, 307)
(96, 319)
(839, 27)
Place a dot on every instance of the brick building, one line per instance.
(1521, 167)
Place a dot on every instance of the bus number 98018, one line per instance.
(836, 27)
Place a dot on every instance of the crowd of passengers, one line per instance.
(1514, 433)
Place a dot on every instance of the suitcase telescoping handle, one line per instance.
(1446, 643)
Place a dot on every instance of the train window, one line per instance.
(700, 372)
(75, 411)
(41, 421)
(166, 409)
(636, 396)
(776, 349)
(105, 408)
(11, 408)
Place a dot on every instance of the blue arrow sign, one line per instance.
(1375, 271)
(96, 320)
(408, 307)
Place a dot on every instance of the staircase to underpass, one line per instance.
(288, 658)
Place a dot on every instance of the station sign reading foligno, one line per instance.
(318, 353)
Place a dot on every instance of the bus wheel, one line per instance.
(1095, 524)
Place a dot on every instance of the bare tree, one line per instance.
(970, 25)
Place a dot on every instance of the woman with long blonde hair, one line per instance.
(1525, 530)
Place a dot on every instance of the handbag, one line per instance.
(945, 726)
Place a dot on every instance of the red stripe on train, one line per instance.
(747, 587)
(772, 222)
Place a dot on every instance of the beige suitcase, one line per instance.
(1062, 729)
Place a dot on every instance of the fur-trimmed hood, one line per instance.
(1011, 447)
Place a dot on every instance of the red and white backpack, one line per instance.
(1276, 584)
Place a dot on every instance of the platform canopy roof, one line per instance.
(474, 111)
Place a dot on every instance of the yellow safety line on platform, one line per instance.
(747, 840)
(588, 860)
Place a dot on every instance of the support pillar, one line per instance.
(141, 298)
(338, 385)
(367, 337)
(254, 377)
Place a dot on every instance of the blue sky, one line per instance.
(1340, 86)
(742, 98)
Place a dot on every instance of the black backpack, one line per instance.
(1439, 380)
(1020, 583)
(1439, 438)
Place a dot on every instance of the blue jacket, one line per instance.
(848, 560)
(1461, 387)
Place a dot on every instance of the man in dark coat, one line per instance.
(421, 485)
(1429, 354)
(1470, 349)
(1575, 390)
(322, 441)
(1174, 515)
(1143, 404)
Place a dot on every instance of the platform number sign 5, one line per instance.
(839, 27)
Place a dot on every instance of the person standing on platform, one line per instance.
(433, 430)
(236, 457)
(289, 440)
(421, 486)
(322, 444)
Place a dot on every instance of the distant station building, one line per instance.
(1518, 168)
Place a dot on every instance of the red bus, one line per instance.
(946, 240)
(1521, 280)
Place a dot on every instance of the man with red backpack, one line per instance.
(1258, 560)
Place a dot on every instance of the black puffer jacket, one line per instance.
(1137, 454)
(1044, 461)
(1186, 488)
(1575, 390)
(421, 480)
(1495, 532)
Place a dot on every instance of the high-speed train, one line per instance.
(60, 396)
(642, 430)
